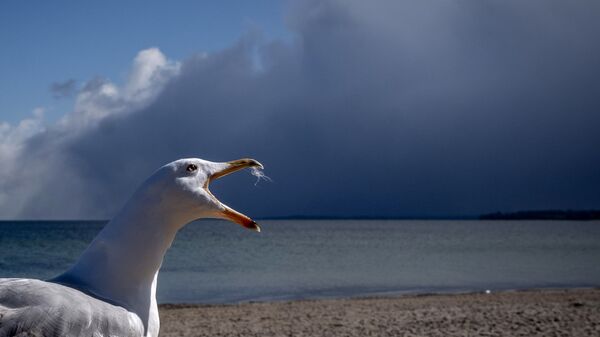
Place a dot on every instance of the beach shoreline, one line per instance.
(535, 312)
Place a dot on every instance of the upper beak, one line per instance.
(227, 212)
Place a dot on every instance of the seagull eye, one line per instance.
(191, 168)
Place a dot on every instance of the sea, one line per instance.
(220, 262)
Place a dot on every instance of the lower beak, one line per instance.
(228, 213)
(240, 219)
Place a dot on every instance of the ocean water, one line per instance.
(219, 262)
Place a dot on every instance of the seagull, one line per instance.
(111, 289)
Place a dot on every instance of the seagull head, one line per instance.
(181, 188)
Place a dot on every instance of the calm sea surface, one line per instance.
(219, 262)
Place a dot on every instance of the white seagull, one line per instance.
(111, 289)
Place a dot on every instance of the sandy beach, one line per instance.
(511, 313)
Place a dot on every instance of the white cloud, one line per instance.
(12, 137)
(97, 100)
(12, 141)
(149, 73)
(100, 98)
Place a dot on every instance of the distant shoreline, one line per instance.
(544, 215)
(519, 215)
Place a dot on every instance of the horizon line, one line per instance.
(483, 216)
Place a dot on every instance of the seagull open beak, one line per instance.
(228, 213)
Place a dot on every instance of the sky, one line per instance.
(54, 42)
(381, 109)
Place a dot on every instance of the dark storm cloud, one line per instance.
(63, 89)
(388, 108)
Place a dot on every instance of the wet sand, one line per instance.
(512, 313)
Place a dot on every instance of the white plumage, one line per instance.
(38, 308)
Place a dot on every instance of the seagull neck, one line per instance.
(133, 244)
(121, 264)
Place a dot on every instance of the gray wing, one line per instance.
(37, 308)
